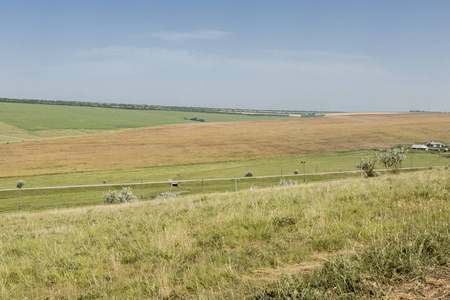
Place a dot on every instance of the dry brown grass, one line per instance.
(212, 142)
(363, 113)
(434, 286)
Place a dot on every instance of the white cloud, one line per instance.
(316, 55)
(313, 63)
(178, 36)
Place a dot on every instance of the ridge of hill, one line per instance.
(250, 112)
(25, 121)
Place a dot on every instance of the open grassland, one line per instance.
(54, 198)
(84, 196)
(19, 121)
(383, 230)
(219, 142)
(327, 162)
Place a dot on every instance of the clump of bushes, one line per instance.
(114, 197)
(392, 160)
(196, 119)
(166, 195)
(367, 164)
(284, 182)
(249, 174)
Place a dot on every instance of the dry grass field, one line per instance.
(217, 142)
(363, 113)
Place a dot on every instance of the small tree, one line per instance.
(295, 171)
(249, 174)
(114, 197)
(20, 184)
(367, 164)
(392, 160)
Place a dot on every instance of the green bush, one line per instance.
(20, 184)
(249, 174)
(284, 182)
(367, 164)
(392, 160)
(295, 171)
(114, 197)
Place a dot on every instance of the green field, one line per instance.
(331, 162)
(74, 197)
(49, 199)
(347, 239)
(33, 121)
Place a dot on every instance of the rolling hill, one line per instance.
(218, 142)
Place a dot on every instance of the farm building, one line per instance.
(419, 147)
(435, 144)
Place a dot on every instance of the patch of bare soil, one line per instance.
(271, 275)
(434, 286)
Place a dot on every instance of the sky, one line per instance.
(328, 55)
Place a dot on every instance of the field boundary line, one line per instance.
(197, 180)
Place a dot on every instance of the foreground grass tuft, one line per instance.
(369, 274)
(233, 245)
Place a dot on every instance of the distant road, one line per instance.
(194, 180)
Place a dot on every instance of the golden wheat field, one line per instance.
(214, 142)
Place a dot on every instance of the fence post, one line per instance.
(235, 183)
(304, 170)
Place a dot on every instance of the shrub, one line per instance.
(367, 164)
(392, 160)
(249, 174)
(197, 119)
(114, 197)
(20, 184)
(289, 182)
(167, 195)
(295, 171)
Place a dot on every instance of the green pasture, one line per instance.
(329, 162)
(34, 117)
(74, 197)
(48, 199)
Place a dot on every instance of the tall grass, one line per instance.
(218, 245)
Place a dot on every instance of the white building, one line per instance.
(435, 144)
(420, 147)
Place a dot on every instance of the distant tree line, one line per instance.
(247, 112)
(426, 111)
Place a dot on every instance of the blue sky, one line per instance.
(303, 55)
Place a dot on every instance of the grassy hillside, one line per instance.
(33, 121)
(186, 144)
(234, 245)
